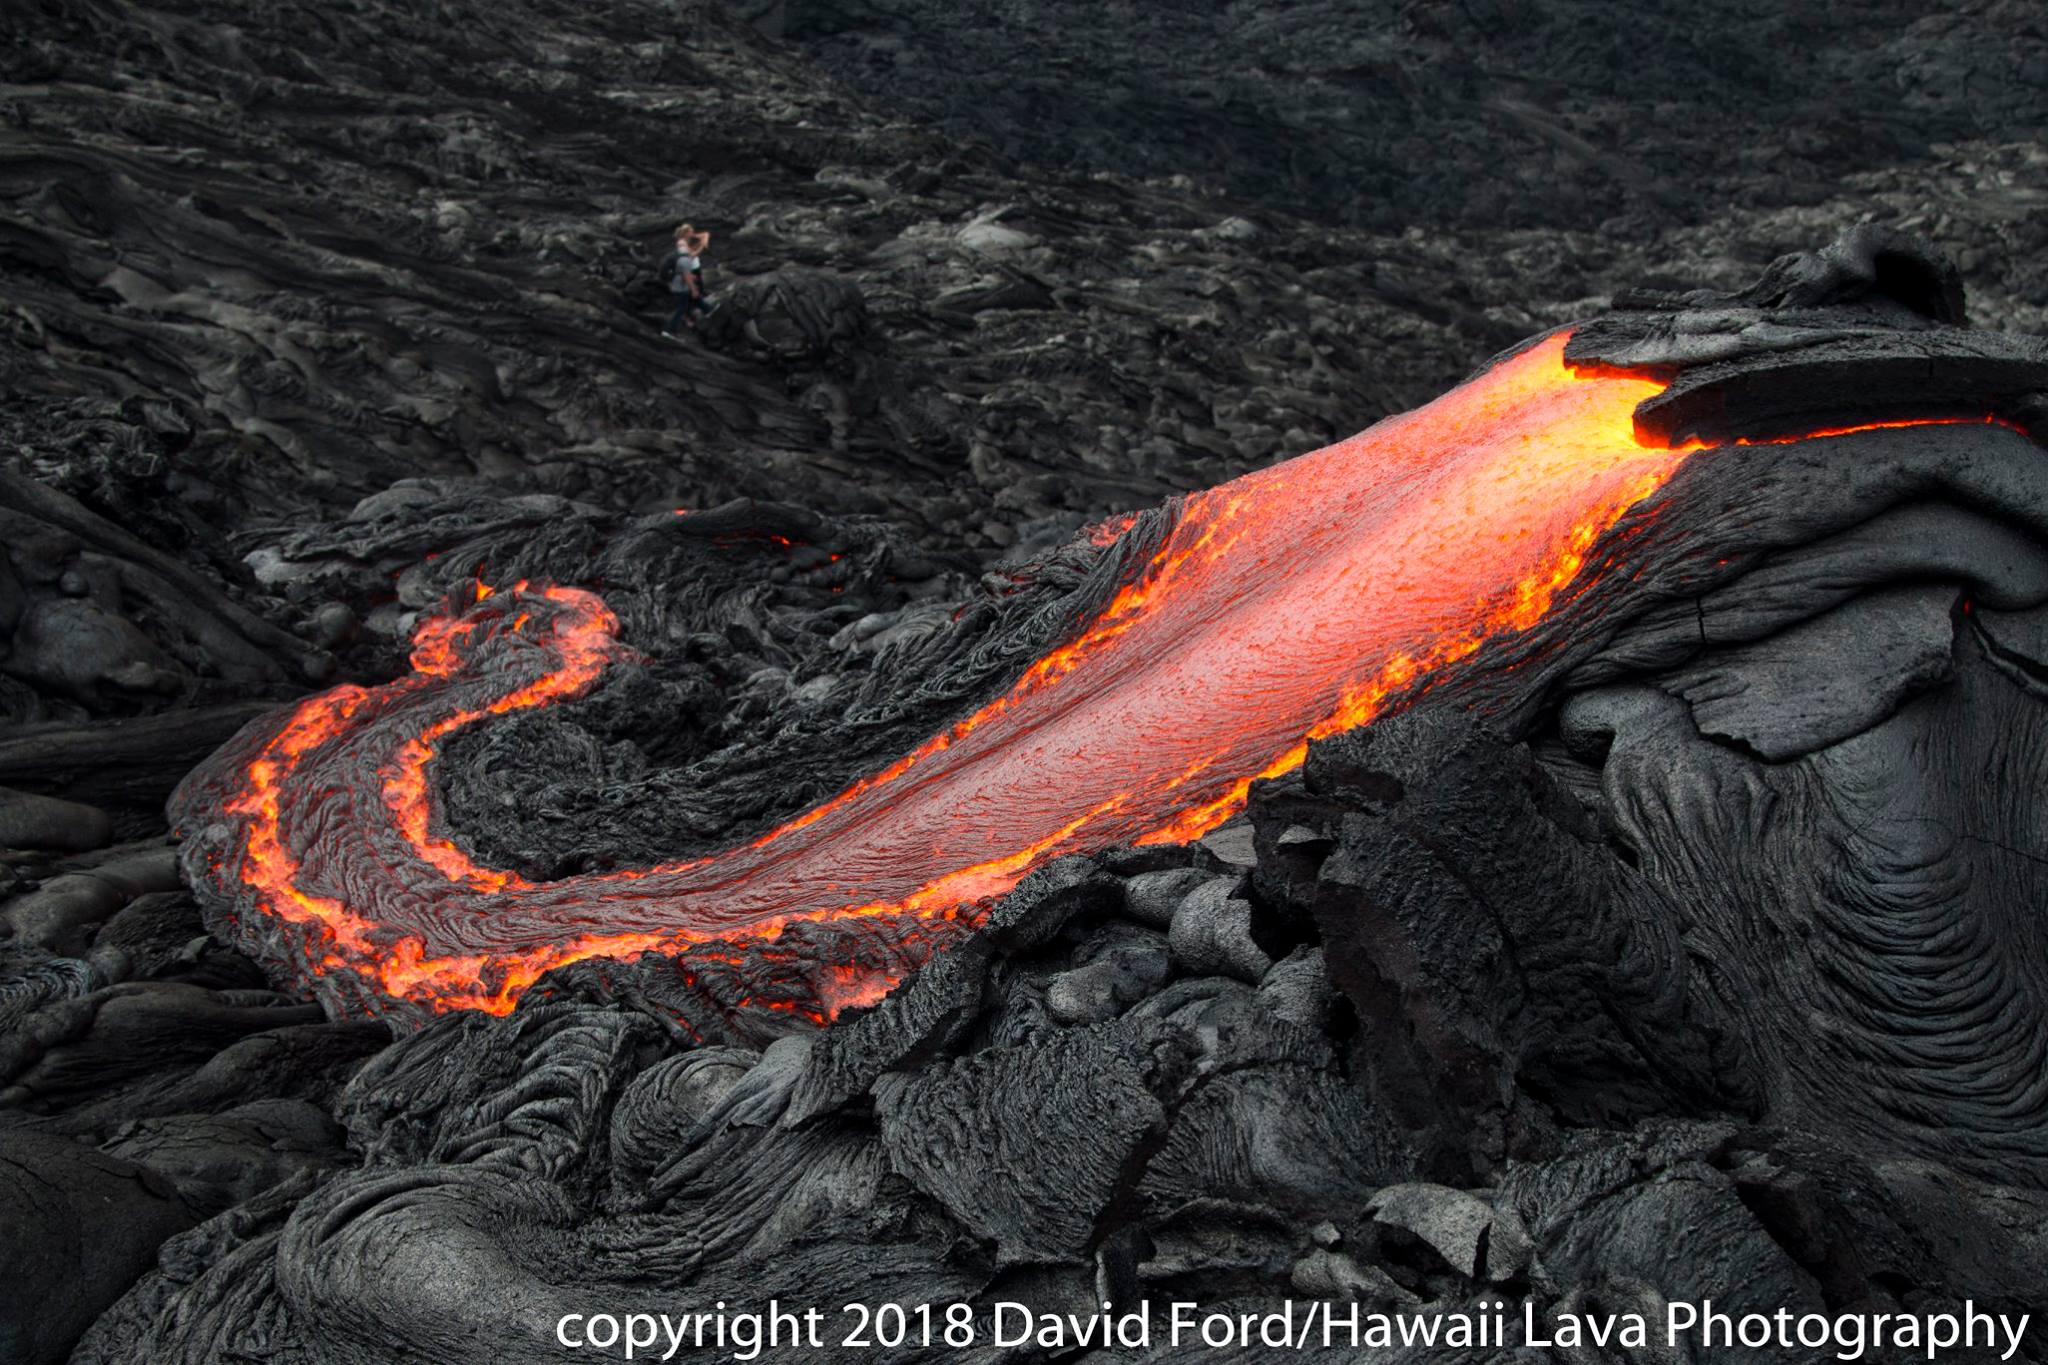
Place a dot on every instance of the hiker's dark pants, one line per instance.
(686, 304)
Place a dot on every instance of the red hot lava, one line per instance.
(1289, 604)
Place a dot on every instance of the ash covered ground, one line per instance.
(1683, 944)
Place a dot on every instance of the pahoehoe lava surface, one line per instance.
(903, 798)
(1695, 896)
(1288, 604)
(1523, 114)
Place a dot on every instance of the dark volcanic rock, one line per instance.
(257, 277)
(1547, 113)
(1677, 945)
(82, 1227)
(300, 276)
(1682, 943)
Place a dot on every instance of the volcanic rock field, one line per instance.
(1382, 657)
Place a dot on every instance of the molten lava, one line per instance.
(1289, 604)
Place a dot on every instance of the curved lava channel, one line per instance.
(1288, 604)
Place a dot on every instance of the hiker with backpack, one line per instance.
(684, 271)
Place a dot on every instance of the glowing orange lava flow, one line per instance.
(1289, 604)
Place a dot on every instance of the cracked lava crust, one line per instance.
(1286, 605)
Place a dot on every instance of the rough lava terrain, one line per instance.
(1673, 936)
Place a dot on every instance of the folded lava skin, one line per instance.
(1676, 867)
(1292, 603)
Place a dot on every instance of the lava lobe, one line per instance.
(1289, 604)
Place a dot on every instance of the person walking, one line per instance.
(684, 271)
